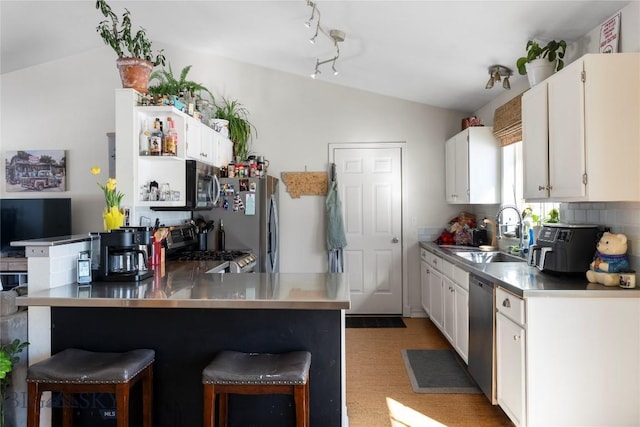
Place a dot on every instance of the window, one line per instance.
(512, 187)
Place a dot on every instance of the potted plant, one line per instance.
(135, 58)
(541, 61)
(8, 359)
(240, 129)
(171, 87)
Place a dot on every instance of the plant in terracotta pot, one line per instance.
(240, 129)
(135, 57)
(541, 61)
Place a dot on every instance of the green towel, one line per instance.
(336, 238)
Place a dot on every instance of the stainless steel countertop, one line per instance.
(528, 281)
(186, 284)
(54, 241)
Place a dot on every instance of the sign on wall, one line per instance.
(35, 170)
(610, 34)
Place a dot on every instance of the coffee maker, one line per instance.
(123, 255)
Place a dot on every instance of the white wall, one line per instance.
(69, 104)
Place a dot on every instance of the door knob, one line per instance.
(395, 240)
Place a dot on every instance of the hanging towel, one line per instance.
(336, 239)
(335, 227)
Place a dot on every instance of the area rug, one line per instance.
(374, 322)
(438, 371)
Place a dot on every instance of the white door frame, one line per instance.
(406, 309)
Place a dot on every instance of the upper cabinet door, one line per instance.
(535, 145)
(566, 133)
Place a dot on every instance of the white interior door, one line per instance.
(370, 188)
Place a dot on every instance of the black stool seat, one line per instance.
(75, 366)
(232, 367)
(74, 371)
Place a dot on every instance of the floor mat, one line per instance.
(374, 322)
(438, 371)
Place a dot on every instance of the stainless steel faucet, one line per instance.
(519, 233)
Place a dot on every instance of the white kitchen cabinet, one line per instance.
(425, 300)
(472, 166)
(445, 298)
(134, 172)
(224, 150)
(448, 303)
(510, 356)
(436, 294)
(580, 131)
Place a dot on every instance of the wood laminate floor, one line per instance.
(377, 381)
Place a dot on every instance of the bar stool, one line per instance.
(233, 372)
(79, 371)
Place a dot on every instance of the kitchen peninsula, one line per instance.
(187, 316)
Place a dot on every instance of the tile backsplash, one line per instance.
(621, 217)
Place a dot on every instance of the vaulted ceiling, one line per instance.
(431, 52)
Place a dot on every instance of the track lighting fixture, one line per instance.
(336, 36)
(496, 72)
(313, 14)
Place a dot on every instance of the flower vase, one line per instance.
(113, 218)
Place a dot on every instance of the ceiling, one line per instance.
(431, 52)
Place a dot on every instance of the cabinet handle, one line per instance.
(435, 261)
(541, 187)
(516, 337)
(506, 303)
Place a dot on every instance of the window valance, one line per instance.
(507, 122)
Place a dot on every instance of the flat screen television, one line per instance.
(24, 219)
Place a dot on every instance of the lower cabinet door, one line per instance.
(436, 283)
(449, 297)
(425, 299)
(462, 322)
(510, 361)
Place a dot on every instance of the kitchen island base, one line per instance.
(186, 340)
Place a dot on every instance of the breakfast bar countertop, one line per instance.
(188, 285)
(527, 281)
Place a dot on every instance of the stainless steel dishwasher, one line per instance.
(482, 335)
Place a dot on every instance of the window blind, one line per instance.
(507, 122)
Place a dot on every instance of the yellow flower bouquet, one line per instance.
(113, 215)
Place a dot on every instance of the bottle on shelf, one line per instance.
(144, 139)
(155, 141)
(171, 139)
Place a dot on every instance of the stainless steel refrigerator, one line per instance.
(248, 208)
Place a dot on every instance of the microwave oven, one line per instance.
(202, 188)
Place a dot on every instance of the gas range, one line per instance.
(182, 243)
(239, 261)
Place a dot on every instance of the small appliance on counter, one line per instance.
(123, 257)
(479, 237)
(564, 248)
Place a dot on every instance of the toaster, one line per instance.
(564, 248)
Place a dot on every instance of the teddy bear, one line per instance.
(609, 260)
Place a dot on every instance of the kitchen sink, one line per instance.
(481, 257)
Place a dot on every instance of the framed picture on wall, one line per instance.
(35, 170)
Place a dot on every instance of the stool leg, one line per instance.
(67, 409)
(209, 406)
(147, 397)
(223, 410)
(33, 405)
(301, 399)
(122, 404)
